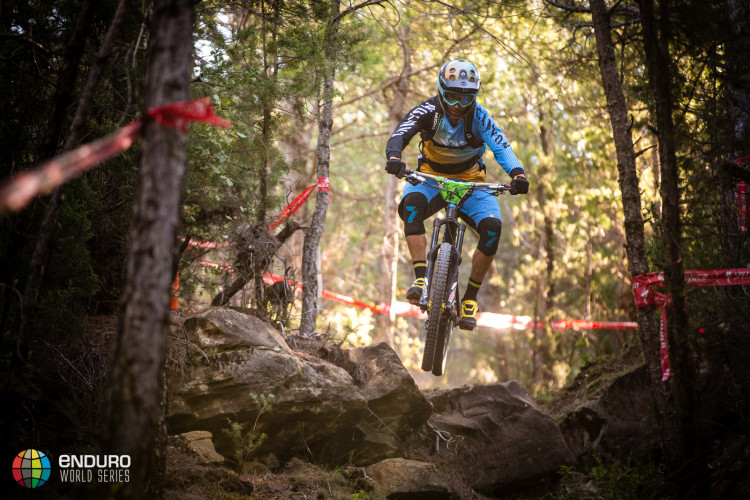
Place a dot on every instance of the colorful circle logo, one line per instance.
(31, 468)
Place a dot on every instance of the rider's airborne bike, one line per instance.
(440, 293)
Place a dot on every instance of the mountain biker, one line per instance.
(455, 131)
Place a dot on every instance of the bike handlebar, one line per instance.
(495, 187)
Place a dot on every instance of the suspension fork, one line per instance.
(456, 230)
(454, 234)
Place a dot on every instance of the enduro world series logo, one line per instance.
(33, 468)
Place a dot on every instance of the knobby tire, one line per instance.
(437, 320)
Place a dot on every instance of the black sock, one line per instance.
(472, 287)
(420, 268)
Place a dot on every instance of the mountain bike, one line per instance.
(440, 293)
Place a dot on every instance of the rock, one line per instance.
(296, 466)
(582, 428)
(200, 443)
(391, 393)
(401, 478)
(271, 461)
(617, 424)
(356, 407)
(218, 330)
(631, 427)
(501, 440)
(255, 468)
(375, 443)
(396, 405)
(316, 404)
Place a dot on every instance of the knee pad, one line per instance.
(489, 230)
(412, 210)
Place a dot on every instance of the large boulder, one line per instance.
(335, 404)
(399, 478)
(315, 407)
(395, 404)
(618, 423)
(499, 440)
(391, 393)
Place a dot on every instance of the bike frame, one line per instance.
(454, 193)
(454, 234)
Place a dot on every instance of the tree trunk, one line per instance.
(682, 448)
(312, 238)
(135, 405)
(544, 342)
(648, 326)
(735, 245)
(389, 250)
(63, 98)
(589, 250)
(388, 261)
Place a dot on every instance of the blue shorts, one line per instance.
(480, 205)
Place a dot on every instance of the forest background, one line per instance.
(566, 248)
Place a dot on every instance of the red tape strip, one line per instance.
(18, 191)
(323, 184)
(645, 295)
(490, 320)
(179, 114)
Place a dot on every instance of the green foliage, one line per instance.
(70, 281)
(263, 68)
(568, 488)
(634, 478)
(247, 441)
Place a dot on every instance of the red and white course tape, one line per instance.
(18, 191)
(645, 295)
(323, 184)
(489, 320)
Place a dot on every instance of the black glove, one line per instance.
(396, 167)
(519, 185)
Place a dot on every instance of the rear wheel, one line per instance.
(438, 319)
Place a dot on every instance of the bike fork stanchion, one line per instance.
(454, 274)
(460, 238)
(431, 257)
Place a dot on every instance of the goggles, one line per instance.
(453, 98)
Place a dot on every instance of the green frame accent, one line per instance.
(454, 191)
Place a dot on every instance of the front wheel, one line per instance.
(438, 318)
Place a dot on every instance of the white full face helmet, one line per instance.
(458, 83)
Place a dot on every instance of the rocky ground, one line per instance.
(351, 423)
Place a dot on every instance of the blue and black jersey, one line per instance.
(453, 150)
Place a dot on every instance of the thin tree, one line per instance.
(685, 446)
(648, 327)
(389, 250)
(135, 406)
(63, 98)
(325, 124)
(312, 237)
(735, 245)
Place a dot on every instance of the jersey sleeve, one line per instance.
(414, 121)
(486, 128)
